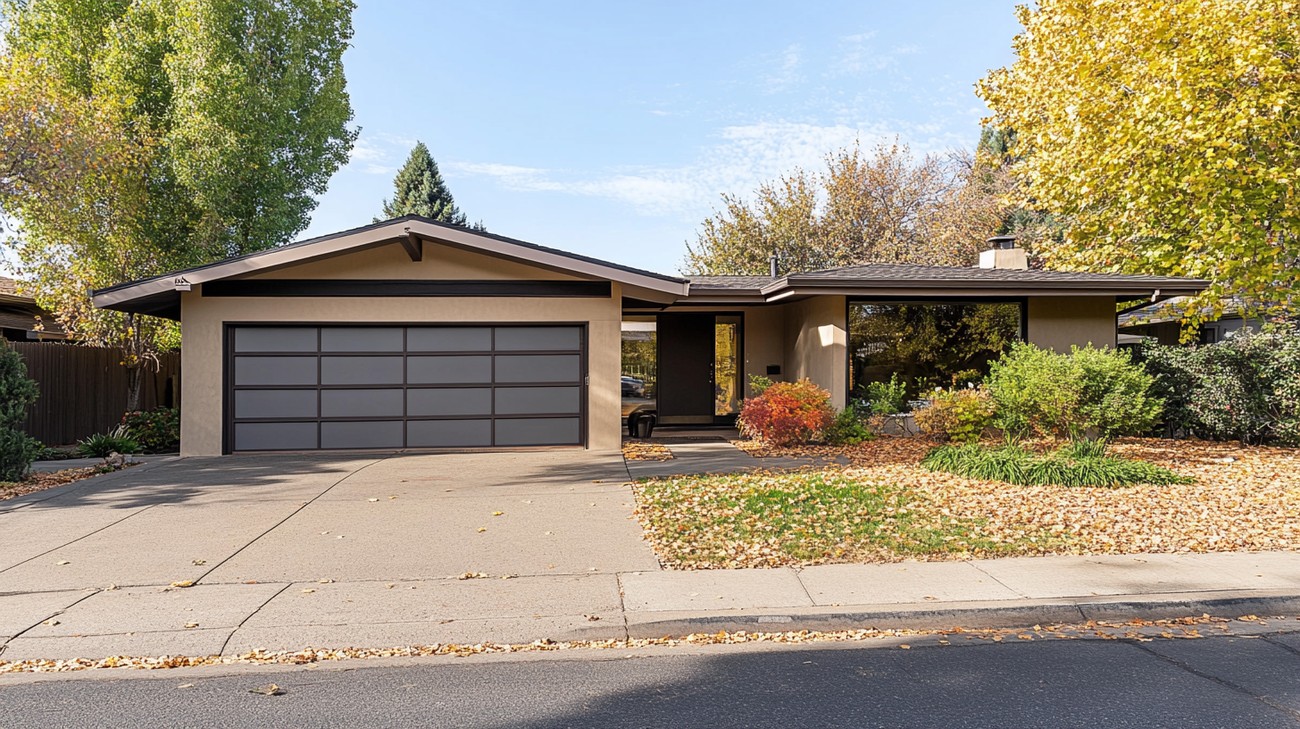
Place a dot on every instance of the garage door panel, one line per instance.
(392, 386)
(361, 434)
(538, 400)
(449, 370)
(275, 436)
(361, 403)
(449, 401)
(449, 433)
(361, 370)
(361, 339)
(449, 339)
(537, 431)
(275, 370)
(538, 339)
(275, 404)
(275, 339)
(539, 368)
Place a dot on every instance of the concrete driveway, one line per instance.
(340, 533)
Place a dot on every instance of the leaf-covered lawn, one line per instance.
(885, 507)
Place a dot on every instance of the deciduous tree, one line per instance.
(1165, 135)
(216, 122)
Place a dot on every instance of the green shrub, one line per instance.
(157, 431)
(103, 445)
(17, 393)
(1243, 388)
(848, 429)
(758, 384)
(1098, 391)
(787, 413)
(1081, 463)
(886, 398)
(961, 415)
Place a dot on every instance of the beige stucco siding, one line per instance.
(764, 342)
(1057, 322)
(816, 339)
(439, 262)
(203, 318)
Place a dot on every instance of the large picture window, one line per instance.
(928, 344)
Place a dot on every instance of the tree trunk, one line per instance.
(134, 388)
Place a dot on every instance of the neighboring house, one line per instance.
(21, 319)
(1163, 321)
(414, 334)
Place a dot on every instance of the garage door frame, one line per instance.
(228, 388)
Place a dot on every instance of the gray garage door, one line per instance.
(342, 387)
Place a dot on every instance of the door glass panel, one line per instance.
(726, 365)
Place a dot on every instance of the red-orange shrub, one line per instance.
(787, 413)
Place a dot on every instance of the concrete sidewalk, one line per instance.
(235, 617)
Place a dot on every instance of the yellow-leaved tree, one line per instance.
(1165, 136)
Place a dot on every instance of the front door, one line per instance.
(699, 368)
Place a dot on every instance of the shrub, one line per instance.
(758, 384)
(848, 428)
(961, 415)
(17, 393)
(787, 413)
(886, 398)
(103, 445)
(156, 431)
(1244, 388)
(1081, 463)
(1088, 390)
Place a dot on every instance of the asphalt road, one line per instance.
(1231, 682)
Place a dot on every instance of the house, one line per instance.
(22, 319)
(415, 334)
(1163, 321)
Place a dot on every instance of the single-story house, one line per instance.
(414, 334)
(22, 319)
(1163, 321)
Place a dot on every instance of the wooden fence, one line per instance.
(83, 389)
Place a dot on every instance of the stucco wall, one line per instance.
(1057, 322)
(764, 342)
(390, 261)
(816, 340)
(202, 319)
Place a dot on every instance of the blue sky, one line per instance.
(612, 128)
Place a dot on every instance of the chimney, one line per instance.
(1003, 253)
(772, 265)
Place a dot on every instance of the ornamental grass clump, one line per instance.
(787, 413)
(1079, 463)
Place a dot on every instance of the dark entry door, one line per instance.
(686, 390)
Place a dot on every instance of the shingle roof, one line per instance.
(729, 282)
(916, 272)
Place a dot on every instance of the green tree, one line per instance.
(217, 122)
(1165, 136)
(878, 206)
(419, 189)
(17, 393)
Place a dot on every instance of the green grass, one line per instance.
(807, 517)
(1081, 463)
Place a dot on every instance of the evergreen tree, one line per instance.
(419, 189)
(17, 393)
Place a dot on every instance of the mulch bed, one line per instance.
(41, 480)
(1244, 498)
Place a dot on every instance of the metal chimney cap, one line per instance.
(1002, 242)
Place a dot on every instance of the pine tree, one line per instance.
(419, 189)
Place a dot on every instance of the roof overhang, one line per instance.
(160, 295)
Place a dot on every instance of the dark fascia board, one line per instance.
(357, 288)
(394, 231)
(786, 288)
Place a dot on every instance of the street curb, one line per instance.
(1021, 615)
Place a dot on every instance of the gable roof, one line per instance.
(159, 295)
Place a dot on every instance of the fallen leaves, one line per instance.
(640, 450)
(1244, 498)
(183, 583)
(269, 689)
(41, 480)
(1183, 628)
